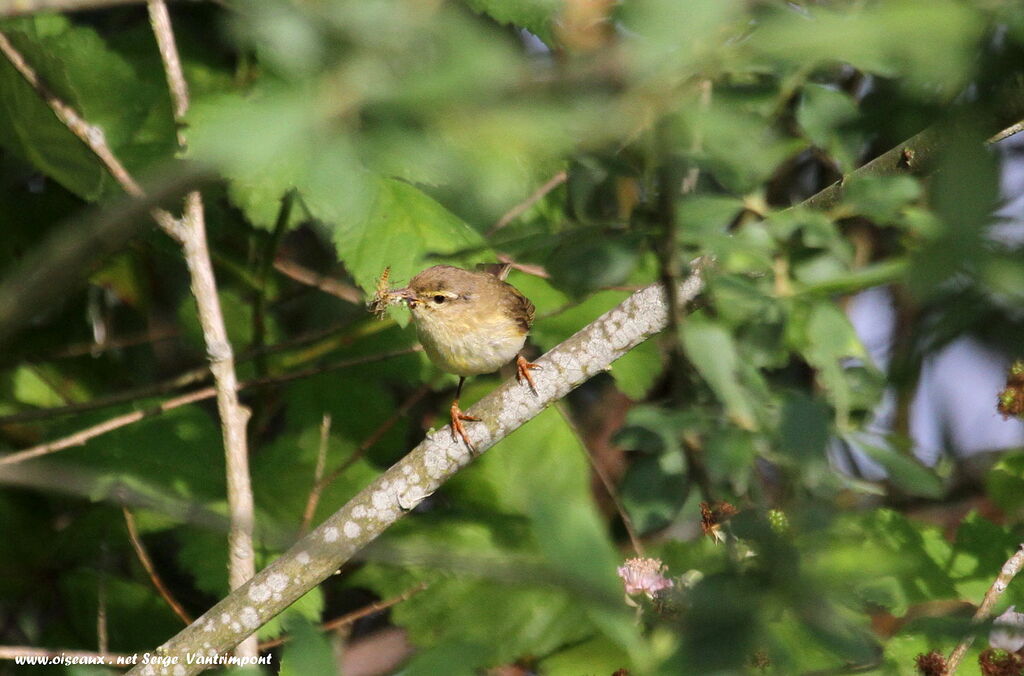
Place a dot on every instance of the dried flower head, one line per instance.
(932, 664)
(644, 576)
(1000, 663)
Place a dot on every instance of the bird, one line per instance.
(469, 322)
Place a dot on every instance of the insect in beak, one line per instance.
(405, 294)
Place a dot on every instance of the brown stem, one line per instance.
(355, 615)
(606, 482)
(117, 422)
(147, 564)
(321, 483)
(538, 194)
(324, 283)
(17, 7)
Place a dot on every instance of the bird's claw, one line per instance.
(523, 369)
(458, 429)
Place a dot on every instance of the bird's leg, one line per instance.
(458, 416)
(523, 369)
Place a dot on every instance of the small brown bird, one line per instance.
(469, 323)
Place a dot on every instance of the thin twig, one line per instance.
(93, 349)
(147, 564)
(1007, 133)
(609, 487)
(538, 194)
(999, 585)
(233, 415)
(102, 635)
(91, 135)
(318, 471)
(316, 280)
(322, 483)
(191, 377)
(17, 7)
(117, 422)
(355, 615)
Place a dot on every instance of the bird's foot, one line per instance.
(458, 428)
(523, 369)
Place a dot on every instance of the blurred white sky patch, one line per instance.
(954, 408)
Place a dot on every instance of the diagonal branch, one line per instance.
(425, 469)
(1009, 571)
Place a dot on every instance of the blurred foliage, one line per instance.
(352, 135)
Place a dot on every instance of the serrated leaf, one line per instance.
(536, 16)
(82, 70)
(404, 228)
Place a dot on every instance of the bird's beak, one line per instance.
(405, 294)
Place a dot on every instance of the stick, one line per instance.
(427, 467)
(1002, 581)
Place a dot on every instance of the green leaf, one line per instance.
(536, 16)
(881, 198)
(82, 70)
(308, 651)
(589, 260)
(463, 606)
(1005, 483)
(637, 370)
(904, 471)
(712, 351)
(828, 337)
(805, 427)
(309, 607)
(930, 42)
(826, 115)
(404, 228)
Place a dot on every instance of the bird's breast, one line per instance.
(469, 351)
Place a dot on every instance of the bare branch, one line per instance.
(355, 615)
(147, 564)
(1007, 133)
(427, 467)
(117, 422)
(324, 283)
(537, 195)
(234, 417)
(1002, 581)
(17, 7)
(322, 483)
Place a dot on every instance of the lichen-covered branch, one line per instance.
(1009, 571)
(425, 469)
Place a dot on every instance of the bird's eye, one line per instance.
(439, 299)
